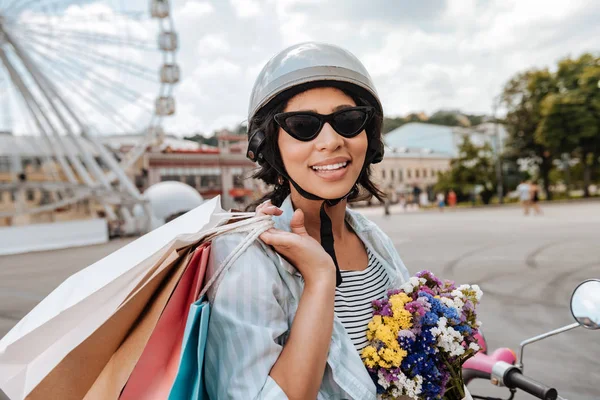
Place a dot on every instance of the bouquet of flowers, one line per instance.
(420, 336)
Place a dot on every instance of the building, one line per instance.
(213, 171)
(404, 168)
(223, 170)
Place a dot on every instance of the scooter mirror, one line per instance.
(585, 304)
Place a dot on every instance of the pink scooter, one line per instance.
(504, 368)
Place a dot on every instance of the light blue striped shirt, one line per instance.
(252, 312)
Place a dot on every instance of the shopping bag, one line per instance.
(26, 361)
(114, 375)
(81, 304)
(189, 383)
(156, 369)
(115, 345)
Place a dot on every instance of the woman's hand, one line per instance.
(298, 247)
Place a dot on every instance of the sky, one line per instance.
(423, 55)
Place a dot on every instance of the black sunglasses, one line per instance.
(306, 125)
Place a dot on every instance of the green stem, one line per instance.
(456, 379)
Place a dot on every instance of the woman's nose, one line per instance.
(328, 138)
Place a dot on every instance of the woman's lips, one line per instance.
(332, 175)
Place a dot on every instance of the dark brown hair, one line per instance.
(365, 189)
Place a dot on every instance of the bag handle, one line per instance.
(255, 227)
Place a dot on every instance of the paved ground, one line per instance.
(527, 268)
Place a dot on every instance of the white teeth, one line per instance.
(329, 167)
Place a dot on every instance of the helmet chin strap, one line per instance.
(326, 229)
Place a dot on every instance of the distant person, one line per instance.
(388, 199)
(441, 203)
(524, 190)
(416, 195)
(452, 198)
(402, 200)
(535, 198)
(424, 199)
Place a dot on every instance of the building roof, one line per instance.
(405, 152)
(418, 135)
(37, 146)
(443, 139)
(170, 143)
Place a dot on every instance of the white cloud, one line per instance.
(193, 9)
(213, 44)
(246, 8)
(218, 67)
(422, 55)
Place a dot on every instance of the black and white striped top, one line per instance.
(354, 296)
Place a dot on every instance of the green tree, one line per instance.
(446, 119)
(472, 169)
(523, 96)
(389, 124)
(571, 117)
(200, 138)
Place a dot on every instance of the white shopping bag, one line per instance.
(74, 310)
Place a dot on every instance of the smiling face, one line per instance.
(330, 164)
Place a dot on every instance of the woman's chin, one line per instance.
(330, 190)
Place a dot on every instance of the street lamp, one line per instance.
(499, 188)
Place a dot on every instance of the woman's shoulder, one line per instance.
(238, 262)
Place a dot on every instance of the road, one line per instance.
(526, 266)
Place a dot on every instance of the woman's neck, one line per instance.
(312, 216)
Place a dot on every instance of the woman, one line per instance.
(289, 318)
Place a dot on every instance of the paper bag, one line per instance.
(115, 341)
(79, 306)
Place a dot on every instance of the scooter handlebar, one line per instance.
(514, 378)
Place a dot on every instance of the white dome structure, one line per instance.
(169, 199)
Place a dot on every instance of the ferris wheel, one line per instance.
(76, 69)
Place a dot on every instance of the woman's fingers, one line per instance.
(277, 238)
(267, 208)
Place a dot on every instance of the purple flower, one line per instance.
(420, 306)
(425, 289)
(431, 278)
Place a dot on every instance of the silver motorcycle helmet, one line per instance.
(292, 71)
(301, 67)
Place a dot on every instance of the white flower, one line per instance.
(442, 322)
(457, 294)
(407, 387)
(447, 301)
(382, 381)
(478, 292)
(409, 286)
(474, 346)
(448, 339)
(456, 303)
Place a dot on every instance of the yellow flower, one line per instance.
(373, 326)
(385, 334)
(404, 319)
(370, 356)
(392, 357)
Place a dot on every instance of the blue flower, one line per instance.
(451, 315)
(430, 319)
(464, 329)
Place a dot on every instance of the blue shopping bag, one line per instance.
(189, 382)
